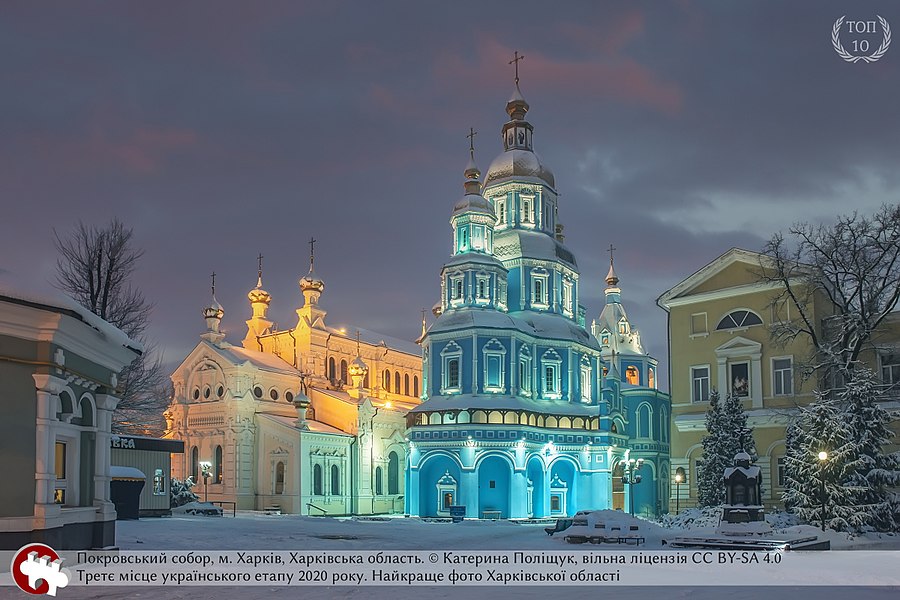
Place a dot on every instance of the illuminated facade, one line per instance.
(518, 419)
(309, 420)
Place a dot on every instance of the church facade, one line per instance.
(308, 420)
(524, 412)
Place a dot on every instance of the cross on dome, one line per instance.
(515, 61)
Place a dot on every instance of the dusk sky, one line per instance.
(221, 130)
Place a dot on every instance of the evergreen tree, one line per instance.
(819, 427)
(727, 434)
(870, 470)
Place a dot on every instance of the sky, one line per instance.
(223, 130)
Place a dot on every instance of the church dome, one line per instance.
(258, 294)
(214, 310)
(474, 203)
(519, 164)
(311, 282)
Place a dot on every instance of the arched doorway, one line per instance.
(439, 477)
(494, 477)
(535, 474)
(618, 487)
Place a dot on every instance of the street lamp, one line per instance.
(823, 456)
(206, 473)
(631, 477)
(679, 478)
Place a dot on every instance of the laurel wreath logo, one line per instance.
(839, 48)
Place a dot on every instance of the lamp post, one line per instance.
(678, 479)
(631, 477)
(206, 473)
(823, 456)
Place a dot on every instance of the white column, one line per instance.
(106, 404)
(723, 385)
(47, 398)
(756, 380)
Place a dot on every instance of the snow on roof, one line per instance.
(539, 325)
(398, 405)
(267, 362)
(377, 339)
(44, 297)
(749, 472)
(117, 472)
(314, 426)
(498, 402)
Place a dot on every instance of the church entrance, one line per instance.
(618, 488)
(493, 488)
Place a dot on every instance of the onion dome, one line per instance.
(517, 107)
(611, 278)
(214, 310)
(258, 294)
(473, 202)
(357, 367)
(311, 282)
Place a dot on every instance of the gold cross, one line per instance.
(213, 282)
(515, 61)
(471, 136)
(610, 250)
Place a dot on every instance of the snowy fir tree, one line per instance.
(870, 470)
(181, 492)
(819, 427)
(727, 434)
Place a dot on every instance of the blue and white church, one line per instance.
(524, 412)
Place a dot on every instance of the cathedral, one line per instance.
(308, 420)
(525, 412)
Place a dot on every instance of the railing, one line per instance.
(309, 505)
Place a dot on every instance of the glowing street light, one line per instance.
(206, 473)
(679, 478)
(823, 456)
(631, 477)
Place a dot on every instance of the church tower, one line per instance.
(258, 324)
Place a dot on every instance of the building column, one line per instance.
(723, 385)
(756, 380)
(47, 397)
(106, 404)
(467, 492)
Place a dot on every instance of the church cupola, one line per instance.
(213, 315)
(473, 216)
(258, 324)
(357, 370)
(310, 284)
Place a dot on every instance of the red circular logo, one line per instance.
(20, 576)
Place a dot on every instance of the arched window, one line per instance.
(631, 375)
(335, 480)
(366, 380)
(663, 425)
(217, 466)
(738, 319)
(406, 384)
(195, 464)
(378, 489)
(331, 371)
(393, 473)
(415, 385)
(386, 380)
(279, 477)
(397, 382)
(344, 371)
(651, 378)
(644, 427)
(317, 480)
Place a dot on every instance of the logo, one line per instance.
(861, 45)
(36, 570)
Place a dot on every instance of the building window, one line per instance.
(195, 464)
(451, 361)
(739, 319)
(526, 210)
(551, 379)
(59, 494)
(462, 238)
(331, 370)
(393, 473)
(453, 373)
(890, 369)
(159, 483)
(335, 480)
(586, 383)
(279, 477)
(406, 384)
(783, 376)
(416, 385)
(780, 472)
(632, 376)
(317, 480)
(344, 372)
(644, 421)
(483, 283)
(378, 489)
(494, 366)
(623, 326)
(539, 289)
(699, 384)
(740, 379)
(651, 378)
(397, 382)
(525, 372)
(386, 380)
(218, 466)
(501, 212)
(698, 324)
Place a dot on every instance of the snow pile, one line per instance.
(693, 518)
(782, 520)
(198, 508)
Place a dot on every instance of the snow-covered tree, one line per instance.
(181, 492)
(727, 434)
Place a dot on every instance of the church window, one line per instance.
(551, 368)
(279, 477)
(586, 384)
(525, 374)
(453, 373)
(393, 473)
(344, 371)
(386, 380)
(644, 419)
(206, 392)
(317, 480)
(218, 466)
(451, 361)
(482, 288)
(415, 385)
(740, 379)
(378, 489)
(406, 384)
(539, 289)
(366, 380)
(463, 238)
(494, 366)
(526, 210)
(273, 394)
(698, 324)
(663, 425)
(478, 237)
(739, 319)
(501, 293)
(550, 378)
(632, 376)
(651, 378)
(220, 391)
(501, 212)
(331, 369)
(623, 326)
(288, 397)
(783, 375)
(397, 382)
(195, 464)
(335, 480)
(257, 391)
(196, 393)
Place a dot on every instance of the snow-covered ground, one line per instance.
(254, 531)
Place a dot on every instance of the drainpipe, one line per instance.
(372, 458)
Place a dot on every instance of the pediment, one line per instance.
(739, 345)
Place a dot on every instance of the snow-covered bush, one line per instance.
(692, 518)
(181, 493)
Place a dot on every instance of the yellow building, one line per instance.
(719, 338)
(308, 420)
